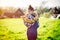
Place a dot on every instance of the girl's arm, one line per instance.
(36, 16)
(27, 20)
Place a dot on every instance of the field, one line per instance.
(14, 29)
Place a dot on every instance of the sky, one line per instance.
(52, 3)
(26, 3)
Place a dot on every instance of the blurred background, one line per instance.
(12, 26)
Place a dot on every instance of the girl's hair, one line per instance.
(30, 8)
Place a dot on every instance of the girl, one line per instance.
(31, 22)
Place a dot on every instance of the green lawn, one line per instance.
(14, 29)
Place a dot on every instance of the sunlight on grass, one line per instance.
(14, 29)
(15, 25)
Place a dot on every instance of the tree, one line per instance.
(1, 11)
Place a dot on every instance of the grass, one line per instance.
(14, 29)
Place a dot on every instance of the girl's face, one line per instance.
(30, 11)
